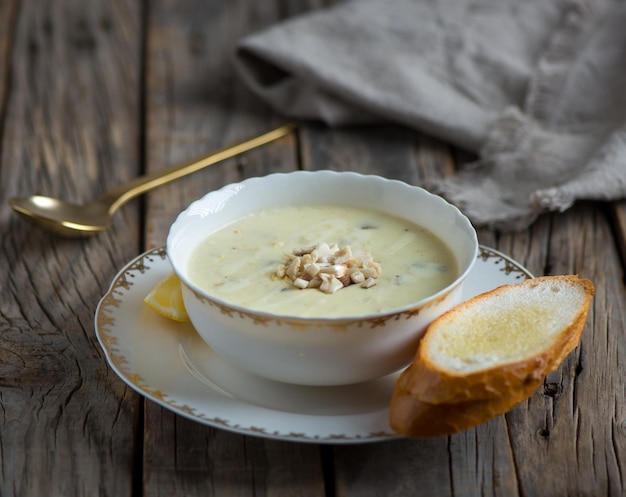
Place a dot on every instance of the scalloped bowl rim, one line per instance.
(217, 200)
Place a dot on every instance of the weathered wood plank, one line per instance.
(205, 461)
(398, 467)
(69, 129)
(618, 213)
(196, 104)
(570, 437)
(8, 16)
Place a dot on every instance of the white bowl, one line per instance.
(318, 351)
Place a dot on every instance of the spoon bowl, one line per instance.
(62, 218)
(71, 220)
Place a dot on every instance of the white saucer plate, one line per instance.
(168, 363)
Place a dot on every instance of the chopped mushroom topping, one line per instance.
(329, 268)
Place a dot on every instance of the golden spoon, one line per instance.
(74, 220)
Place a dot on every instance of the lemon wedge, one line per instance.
(166, 298)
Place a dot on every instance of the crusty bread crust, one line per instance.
(415, 418)
(430, 400)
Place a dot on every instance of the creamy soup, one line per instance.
(239, 262)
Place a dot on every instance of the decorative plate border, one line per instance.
(122, 284)
(509, 266)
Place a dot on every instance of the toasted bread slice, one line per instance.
(488, 354)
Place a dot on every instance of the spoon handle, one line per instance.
(118, 196)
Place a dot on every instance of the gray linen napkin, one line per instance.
(536, 87)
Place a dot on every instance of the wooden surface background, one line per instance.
(95, 93)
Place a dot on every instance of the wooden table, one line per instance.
(95, 93)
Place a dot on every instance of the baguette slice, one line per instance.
(488, 354)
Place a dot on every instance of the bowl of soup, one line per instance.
(319, 277)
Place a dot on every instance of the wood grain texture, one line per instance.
(95, 93)
(617, 211)
(183, 458)
(579, 416)
(195, 104)
(70, 128)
